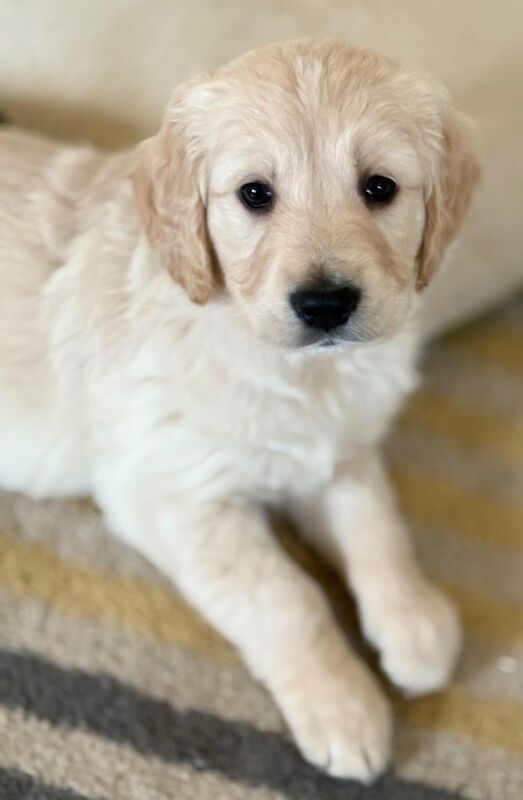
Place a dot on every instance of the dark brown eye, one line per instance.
(257, 196)
(379, 189)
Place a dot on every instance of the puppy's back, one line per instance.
(42, 184)
(44, 196)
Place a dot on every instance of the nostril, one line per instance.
(335, 301)
(325, 308)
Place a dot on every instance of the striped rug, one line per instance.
(111, 688)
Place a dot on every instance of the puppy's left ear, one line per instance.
(456, 175)
(172, 209)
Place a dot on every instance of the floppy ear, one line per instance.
(172, 209)
(456, 177)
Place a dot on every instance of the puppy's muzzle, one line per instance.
(325, 306)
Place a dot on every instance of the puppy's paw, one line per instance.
(418, 636)
(340, 720)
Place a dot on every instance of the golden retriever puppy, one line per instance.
(223, 320)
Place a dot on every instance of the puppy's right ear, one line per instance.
(172, 209)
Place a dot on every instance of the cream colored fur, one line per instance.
(149, 356)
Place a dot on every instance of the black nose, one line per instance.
(325, 306)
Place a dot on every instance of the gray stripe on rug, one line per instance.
(238, 750)
(15, 785)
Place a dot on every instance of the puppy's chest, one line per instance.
(295, 458)
(289, 437)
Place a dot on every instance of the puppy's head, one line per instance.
(313, 184)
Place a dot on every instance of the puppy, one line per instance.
(223, 320)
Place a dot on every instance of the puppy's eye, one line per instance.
(379, 189)
(258, 196)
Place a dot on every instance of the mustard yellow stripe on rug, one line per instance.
(465, 425)
(487, 617)
(488, 721)
(495, 343)
(431, 499)
(32, 570)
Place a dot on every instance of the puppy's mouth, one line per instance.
(353, 333)
(312, 340)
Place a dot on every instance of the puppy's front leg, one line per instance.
(412, 625)
(228, 564)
